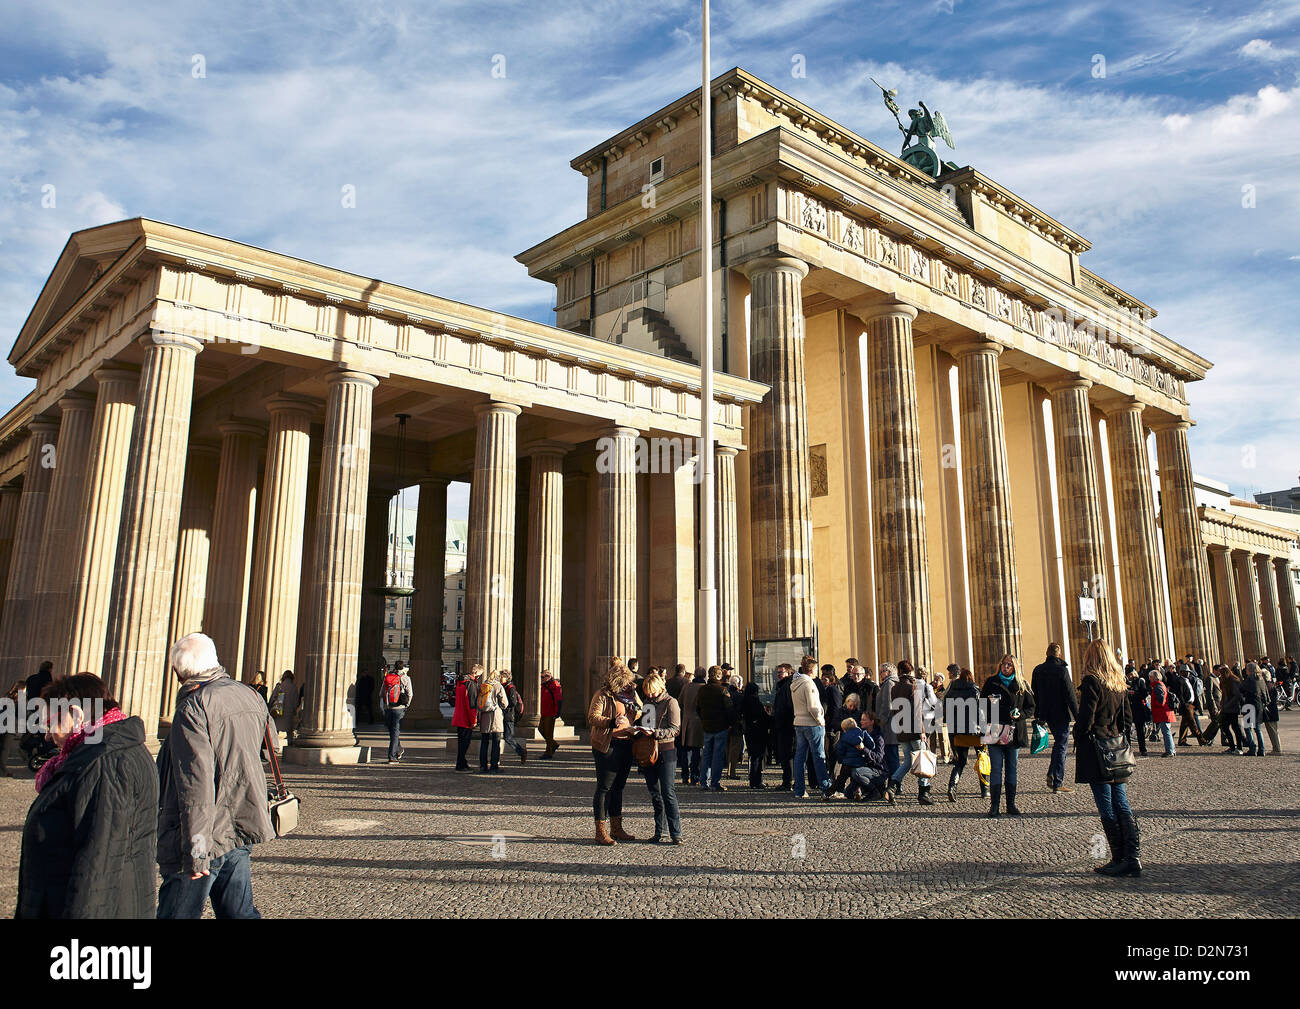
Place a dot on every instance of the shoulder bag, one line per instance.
(283, 803)
(1115, 761)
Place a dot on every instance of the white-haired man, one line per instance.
(204, 834)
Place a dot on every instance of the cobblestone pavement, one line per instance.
(1220, 837)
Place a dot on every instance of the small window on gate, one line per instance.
(657, 170)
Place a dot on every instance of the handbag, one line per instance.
(924, 763)
(1115, 761)
(984, 764)
(1042, 740)
(998, 735)
(283, 803)
(645, 748)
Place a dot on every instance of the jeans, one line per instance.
(808, 742)
(510, 741)
(1254, 736)
(661, 780)
(1231, 734)
(691, 765)
(715, 755)
(904, 758)
(229, 884)
(611, 775)
(864, 779)
(1167, 734)
(1007, 756)
(1112, 801)
(891, 760)
(492, 741)
(1060, 743)
(464, 737)
(393, 720)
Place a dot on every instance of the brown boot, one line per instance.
(602, 833)
(616, 830)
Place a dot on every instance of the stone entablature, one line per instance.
(225, 293)
(1226, 529)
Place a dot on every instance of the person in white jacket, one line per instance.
(809, 729)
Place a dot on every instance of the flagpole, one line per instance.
(707, 600)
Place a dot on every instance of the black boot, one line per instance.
(1011, 801)
(984, 789)
(1116, 842)
(1132, 841)
(996, 795)
(923, 794)
(952, 784)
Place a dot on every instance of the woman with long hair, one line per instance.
(1104, 712)
(1009, 726)
(615, 708)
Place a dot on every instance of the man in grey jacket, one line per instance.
(212, 789)
(885, 717)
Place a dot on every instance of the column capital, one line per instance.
(434, 481)
(1068, 382)
(555, 448)
(237, 426)
(1130, 404)
(288, 403)
(75, 399)
(43, 423)
(211, 449)
(618, 431)
(1222, 548)
(774, 263)
(344, 376)
(1282, 563)
(1170, 424)
(159, 338)
(882, 310)
(726, 450)
(976, 344)
(494, 406)
(116, 371)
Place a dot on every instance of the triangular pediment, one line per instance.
(82, 262)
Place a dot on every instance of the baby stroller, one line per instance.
(37, 749)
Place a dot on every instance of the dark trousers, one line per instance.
(1140, 730)
(463, 738)
(489, 741)
(393, 721)
(1231, 732)
(546, 726)
(229, 884)
(691, 765)
(611, 775)
(661, 780)
(1189, 724)
(755, 745)
(1060, 743)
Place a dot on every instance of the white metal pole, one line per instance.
(707, 601)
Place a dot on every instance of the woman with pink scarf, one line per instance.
(90, 841)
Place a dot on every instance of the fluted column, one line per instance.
(1268, 605)
(277, 562)
(136, 644)
(1135, 517)
(543, 595)
(728, 559)
(1252, 625)
(616, 547)
(193, 542)
(10, 496)
(430, 582)
(1229, 616)
(326, 734)
(56, 569)
(1083, 545)
(374, 576)
(780, 490)
(902, 577)
(1185, 558)
(95, 547)
(1287, 605)
(986, 482)
(490, 560)
(16, 621)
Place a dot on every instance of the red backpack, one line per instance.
(395, 691)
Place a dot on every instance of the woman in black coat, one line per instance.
(1015, 708)
(90, 843)
(754, 719)
(1104, 712)
(961, 715)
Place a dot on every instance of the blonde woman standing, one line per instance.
(491, 721)
(1009, 722)
(614, 709)
(1104, 713)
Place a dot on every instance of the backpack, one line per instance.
(395, 691)
(485, 699)
(516, 702)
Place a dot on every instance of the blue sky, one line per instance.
(457, 170)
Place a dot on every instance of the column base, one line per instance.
(318, 755)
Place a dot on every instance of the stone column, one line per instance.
(95, 547)
(1229, 617)
(902, 577)
(1252, 625)
(781, 496)
(1268, 605)
(18, 611)
(544, 593)
(1189, 582)
(490, 560)
(576, 621)
(56, 569)
(430, 581)
(10, 496)
(277, 563)
(728, 563)
(616, 548)
(1083, 545)
(374, 577)
(986, 482)
(1135, 519)
(234, 514)
(192, 550)
(326, 735)
(136, 644)
(1287, 604)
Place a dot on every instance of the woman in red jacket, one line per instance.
(1162, 710)
(552, 698)
(465, 715)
